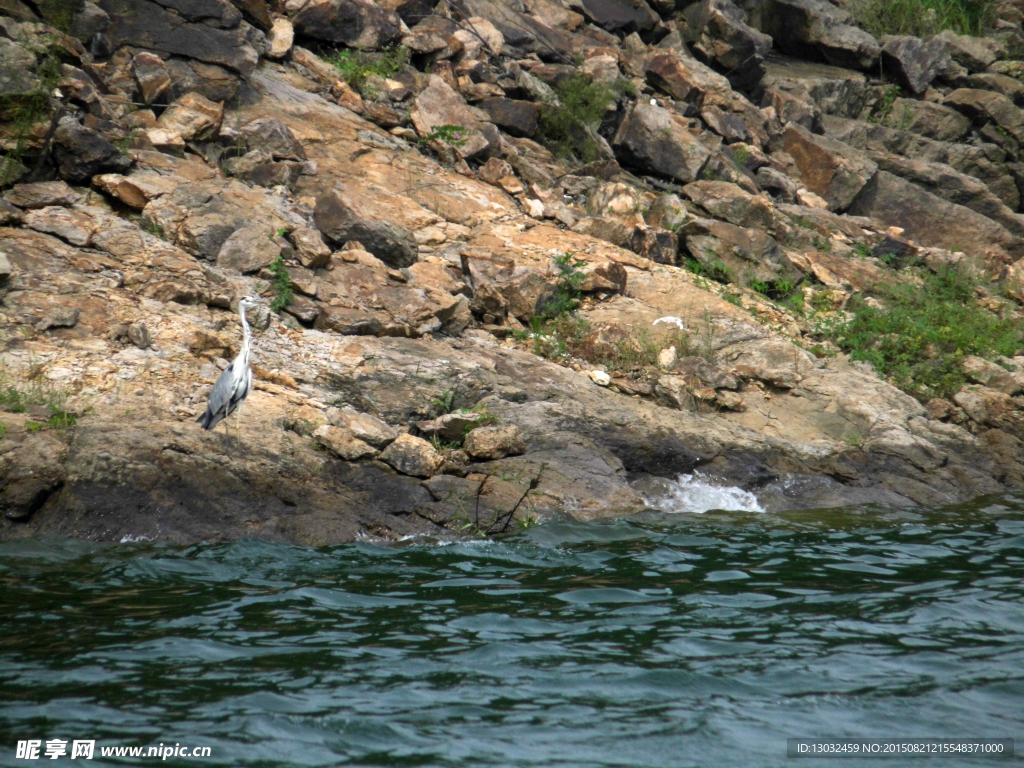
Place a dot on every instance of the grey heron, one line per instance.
(235, 381)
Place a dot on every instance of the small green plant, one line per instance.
(152, 228)
(802, 221)
(445, 403)
(823, 245)
(853, 438)
(60, 419)
(759, 286)
(733, 299)
(741, 155)
(452, 135)
(3, 430)
(882, 110)
(710, 174)
(568, 295)
(281, 282)
(442, 445)
(863, 250)
(282, 232)
(355, 66)
(33, 426)
(566, 128)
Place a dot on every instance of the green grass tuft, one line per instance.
(583, 106)
(925, 17)
(920, 336)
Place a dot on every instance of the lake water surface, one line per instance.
(664, 640)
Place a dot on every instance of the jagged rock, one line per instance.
(801, 90)
(974, 53)
(717, 243)
(777, 184)
(615, 16)
(606, 277)
(310, 248)
(437, 106)
(273, 136)
(342, 217)
(668, 211)
(926, 118)
(827, 167)
(248, 249)
(1009, 87)
(82, 153)
(913, 62)
(928, 219)
(355, 23)
(687, 80)
(988, 374)
(136, 190)
(89, 21)
(495, 442)
(41, 194)
(727, 201)
(59, 317)
(518, 118)
(611, 229)
(17, 69)
(151, 76)
(210, 80)
(949, 184)
(991, 106)
(658, 245)
(193, 116)
(280, 39)
(991, 408)
(210, 32)
(412, 456)
(363, 426)
(651, 140)
(735, 48)
(986, 163)
(343, 443)
(810, 28)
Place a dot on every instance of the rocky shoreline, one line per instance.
(416, 231)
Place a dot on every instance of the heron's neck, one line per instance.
(243, 355)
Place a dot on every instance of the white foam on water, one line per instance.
(695, 494)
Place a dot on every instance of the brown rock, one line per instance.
(494, 442)
(41, 194)
(828, 167)
(151, 76)
(193, 116)
(412, 456)
(343, 444)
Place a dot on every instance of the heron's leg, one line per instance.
(227, 439)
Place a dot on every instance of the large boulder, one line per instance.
(731, 252)
(356, 23)
(731, 203)
(273, 136)
(828, 168)
(797, 88)
(926, 118)
(342, 217)
(685, 80)
(652, 140)
(976, 54)
(816, 29)
(616, 16)
(81, 153)
(438, 105)
(734, 47)
(988, 105)
(912, 62)
(929, 219)
(17, 69)
(211, 32)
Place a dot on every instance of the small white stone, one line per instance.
(600, 378)
(667, 358)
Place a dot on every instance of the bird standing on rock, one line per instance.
(234, 383)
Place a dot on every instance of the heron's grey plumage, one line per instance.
(235, 382)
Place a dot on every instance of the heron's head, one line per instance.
(251, 301)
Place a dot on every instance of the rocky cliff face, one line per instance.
(385, 172)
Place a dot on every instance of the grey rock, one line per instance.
(913, 62)
(651, 140)
(356, 24)
(17, 69)
(81, 153)
(273, 136)
(342, 218)
(41, 194)
(59, 317)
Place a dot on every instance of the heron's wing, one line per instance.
(220, 398)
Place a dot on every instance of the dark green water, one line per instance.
(671, 640)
